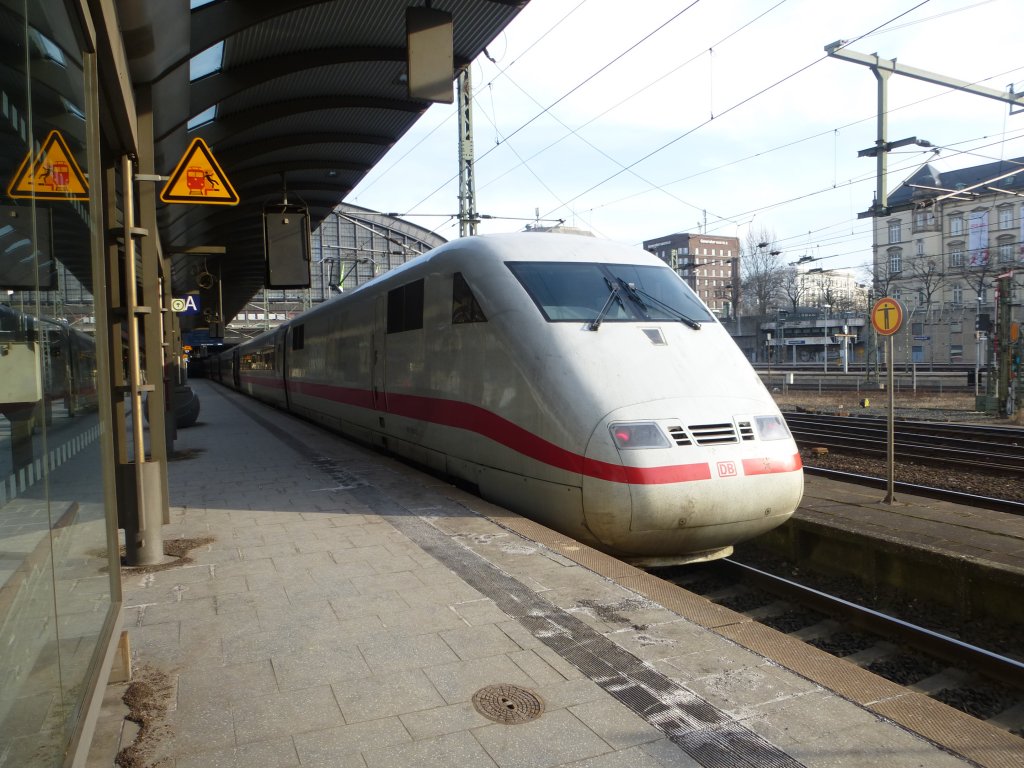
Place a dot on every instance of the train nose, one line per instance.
(687, 487)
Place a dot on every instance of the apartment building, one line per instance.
(940, 251)
(708, 263)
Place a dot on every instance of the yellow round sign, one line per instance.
(887, 316)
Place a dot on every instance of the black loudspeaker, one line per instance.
(26, 250)
(430, 54)
(286, 241)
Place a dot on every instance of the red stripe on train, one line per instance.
(769, 466)
(473, 418)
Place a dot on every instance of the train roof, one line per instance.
(547, 246)
(512, 246)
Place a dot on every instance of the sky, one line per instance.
(643, 119)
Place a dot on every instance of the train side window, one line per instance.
(465, 308)
(405, 308)
(298, 336)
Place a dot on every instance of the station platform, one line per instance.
(339, 608)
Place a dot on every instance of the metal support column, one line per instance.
(1002, 342)
(116, 329)
(143, 542)
(468, 217)
(155, 275)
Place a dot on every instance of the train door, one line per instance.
(236, 369)
(378, 355)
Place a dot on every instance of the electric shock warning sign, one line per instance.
(199, 179)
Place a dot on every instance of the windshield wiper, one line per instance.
(632, 292)
(613, 296)
(635, 293)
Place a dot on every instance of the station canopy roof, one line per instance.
(293, 97)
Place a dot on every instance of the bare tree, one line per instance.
(930, 278)
(761, 269)
(979, 274)
(833, 294)
(791, 289)
(884, 279)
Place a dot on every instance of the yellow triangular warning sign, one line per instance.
(54, 175)
(199, 179)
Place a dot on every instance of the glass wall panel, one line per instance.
(56, 580)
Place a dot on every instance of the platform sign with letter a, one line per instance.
(53, 175)
(185, 305)
(199, 179)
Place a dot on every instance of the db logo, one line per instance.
(726, 469)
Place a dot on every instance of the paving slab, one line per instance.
(349, 607)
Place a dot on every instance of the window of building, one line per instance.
(983, 295)
(1004, 249)
(956, 225)
(895, 260)
(405, 308)
(1005, 216)
(958, 294)
(956, 352)
(465, 308)
(919, 247)
(917, 329)
(924, 220)
(895, 231)
(956, 255)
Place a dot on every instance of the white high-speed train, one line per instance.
(575, 381)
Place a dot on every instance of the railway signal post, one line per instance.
(887, 317)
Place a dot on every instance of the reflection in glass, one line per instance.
(55, 581)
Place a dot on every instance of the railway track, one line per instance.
(983, 683)
(942, 494)
(991, 448)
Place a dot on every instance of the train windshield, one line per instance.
(579, 292)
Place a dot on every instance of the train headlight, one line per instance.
(771, 427)
(638, 434)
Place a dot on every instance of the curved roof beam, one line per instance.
(219, 21)
(329, 186)
(214, 88)
(243, 152)
(224, 127)
(243, 176)
(192, 219)
(236, 228)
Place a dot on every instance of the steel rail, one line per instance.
(956, 432)
(926, 491)
(846, 434)
(993, 665)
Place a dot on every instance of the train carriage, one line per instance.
(578, 382)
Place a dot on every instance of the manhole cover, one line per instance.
(508, 704)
